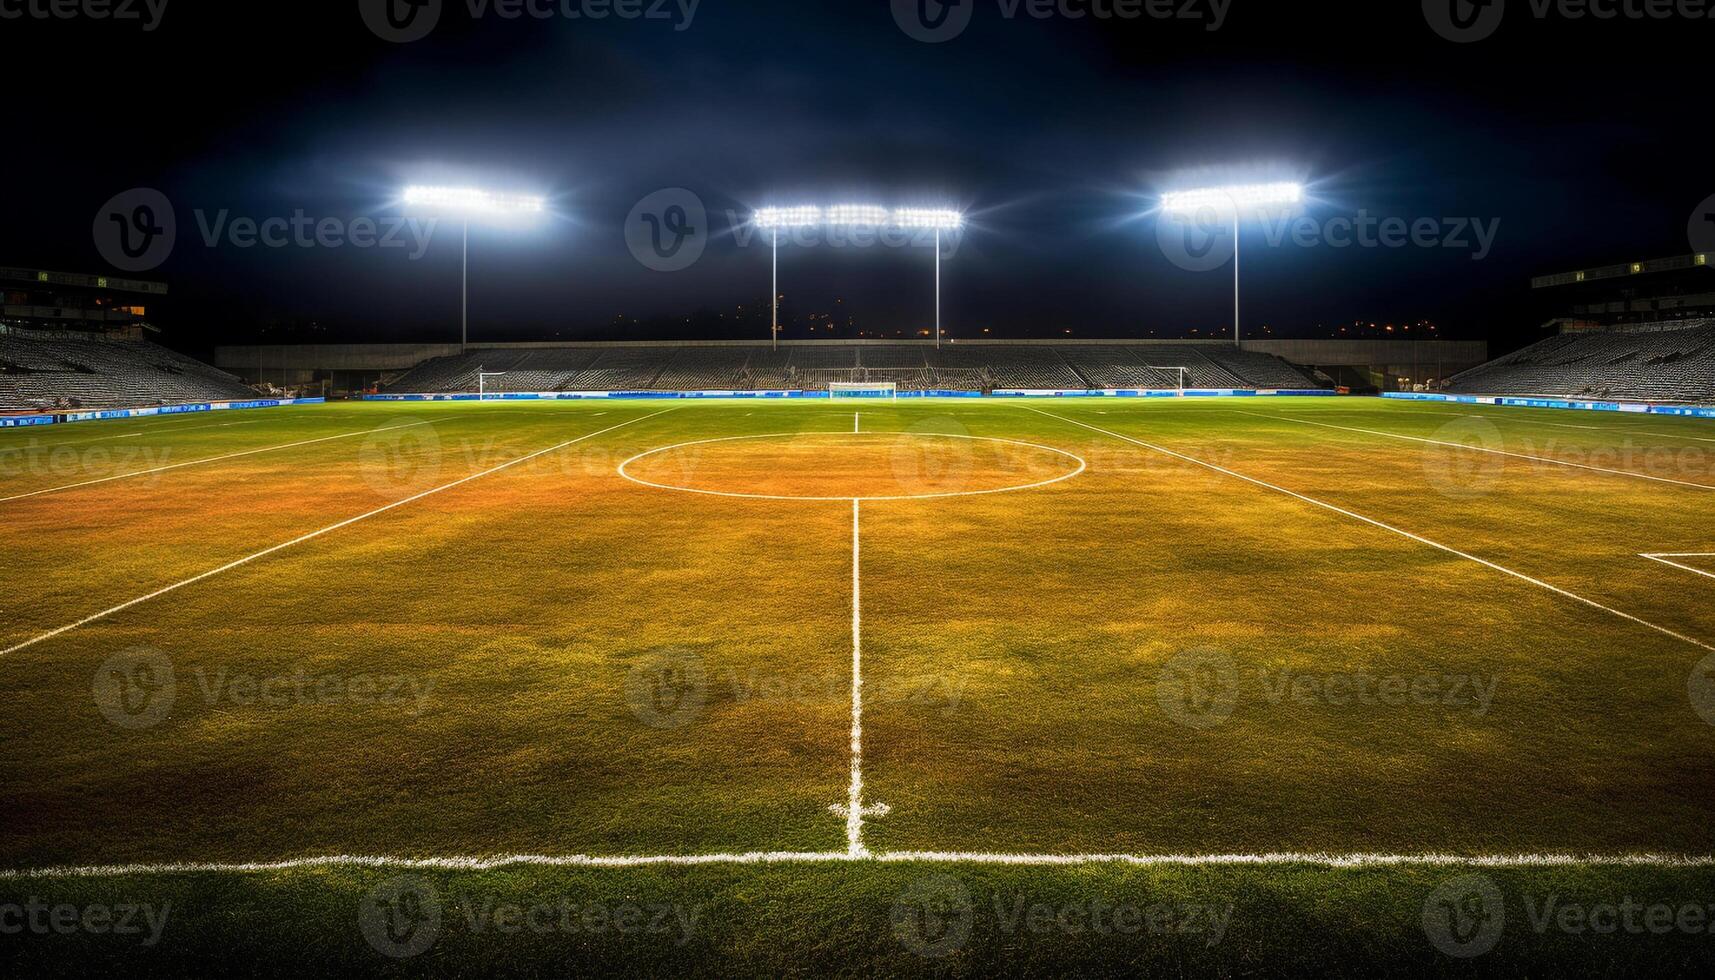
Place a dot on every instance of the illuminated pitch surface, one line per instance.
(1145, 656)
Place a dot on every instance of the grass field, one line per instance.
(1303, 684)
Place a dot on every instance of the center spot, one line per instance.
(840, 466)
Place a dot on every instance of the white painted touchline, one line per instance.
(1480, 449)
(211, 459)
(1664, 556)
(1387, 527)
(229, 566)
(1318, 859)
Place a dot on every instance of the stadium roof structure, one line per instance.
(1677, 263)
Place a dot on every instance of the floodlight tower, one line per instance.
(468, 203)
(1240, 197)
(940, 219)
(774, 219)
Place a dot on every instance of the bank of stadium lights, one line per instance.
(854, 216)
(468, 203)
(1241, 198)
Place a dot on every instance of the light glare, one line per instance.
(927, 218)
(1238, 196)
(473, 199)
(800, 217)
(857, 214)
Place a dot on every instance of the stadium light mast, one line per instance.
(1241, 198)
(940, 219)
(772, 220)
(471, 203)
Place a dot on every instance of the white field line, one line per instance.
(1663, 558)
(1391, 529)
(229, 566)
(1319, 859)
(857, 425)
(210, 459)
(1481, 449)
(854, 795)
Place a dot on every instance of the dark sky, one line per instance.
(1586, 140)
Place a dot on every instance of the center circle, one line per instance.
(851, 466)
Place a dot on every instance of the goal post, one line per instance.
(863, 389)
(1180, 372)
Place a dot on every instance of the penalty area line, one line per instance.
(301, 539)
(1593, 604)
(1663, 557)
(1317, 859)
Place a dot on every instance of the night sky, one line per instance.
(1586, 140)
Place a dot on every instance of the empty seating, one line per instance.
(51, 369)
(1674, 365)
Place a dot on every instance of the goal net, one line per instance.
(863, 389)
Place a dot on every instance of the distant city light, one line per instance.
(473, 200)
(1238, 195)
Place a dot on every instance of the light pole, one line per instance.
(468, 203)
(774, 219)
(1241, 198)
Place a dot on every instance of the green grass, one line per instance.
(1020, 653)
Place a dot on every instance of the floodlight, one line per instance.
(937, 218)
(1237, 195)
(801, 217)
(857, 214)
(468, 203)
(473, 200)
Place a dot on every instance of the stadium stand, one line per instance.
(67, 369)
(1672, 362)
(913, 367)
